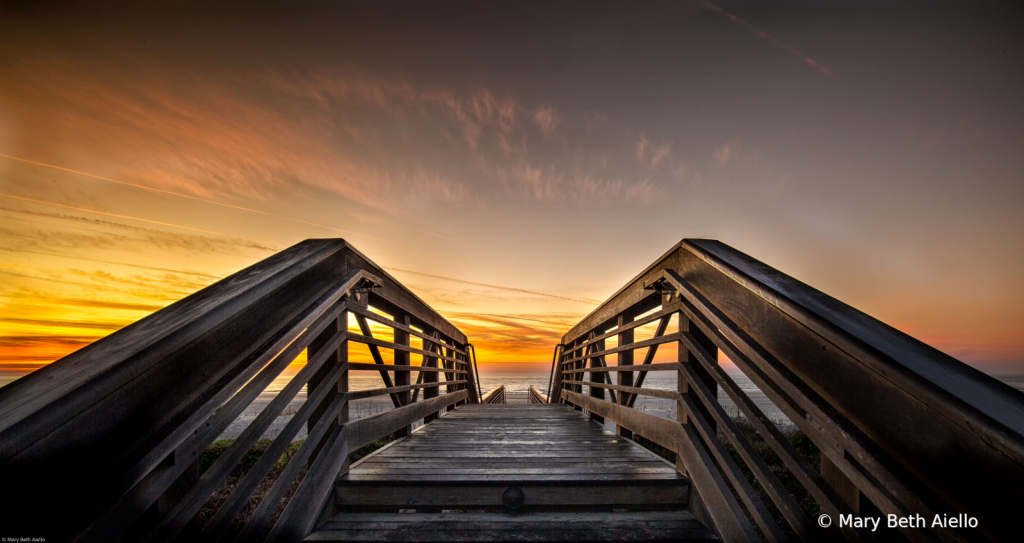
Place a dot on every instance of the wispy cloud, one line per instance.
(723, 154)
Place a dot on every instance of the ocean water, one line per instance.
(517, 384)
(521, 381)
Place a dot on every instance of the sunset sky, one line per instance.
(513, 164)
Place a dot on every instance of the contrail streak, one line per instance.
(136, 219)
(465, 315)
(772, 40)
(197, 274)
(204, 200)
(511, 289)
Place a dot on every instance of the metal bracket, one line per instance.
(360, 292)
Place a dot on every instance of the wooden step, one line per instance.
(471, 457)
(632, 494)
(463, 526)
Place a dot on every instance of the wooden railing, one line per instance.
(495, 395)
(536, 396)
(103, 444)
(902, 428)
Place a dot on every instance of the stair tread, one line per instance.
(511, 445)
(537, 526)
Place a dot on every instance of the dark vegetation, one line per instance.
(800, 442)
(217, 448)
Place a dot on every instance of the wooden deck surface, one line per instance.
(451, 480)
(513, 444)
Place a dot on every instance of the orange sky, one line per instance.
(510, 182)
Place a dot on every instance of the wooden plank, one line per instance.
(369, 429)
(802, 405)
(398, 347)
(432, 379)
(187, 506)
(190, 440)
(649, 357)
(642, 321)
(374, 392)
(310, 498)
(335, 407)
(858, 361)
(399, 369)
(667, 338)
(725, 510)
(366, 313)
(100, 439)
(671, 395)
(596, 494)
(755, 507)
(393, 297)
(536, 396)
(284, 481)
(790, 509)
(508, 479)
(664, 366)
(364, 327)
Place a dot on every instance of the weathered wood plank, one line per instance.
(399, 369)
(369, 429)
(366, 313)
(399, 347)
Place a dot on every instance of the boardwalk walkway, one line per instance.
(512, 472)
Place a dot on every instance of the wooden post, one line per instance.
(402, 378)
(686, 357)
(580, 362)
(595, 377)
(625, 378)
(340, 356)
(458, 377)
(704, 341)
(428, 378)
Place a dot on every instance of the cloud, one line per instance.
(722, 154)
(641, 147)
(578, 187)
(545, 120)
(663, 152)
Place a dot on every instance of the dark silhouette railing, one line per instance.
(902, 428)
(104, 443)
(536, 396)
(495, 395)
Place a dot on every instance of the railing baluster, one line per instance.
(625, 358)
(649, 357)
(401, 358)
(364, 327)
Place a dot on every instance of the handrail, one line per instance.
(104, 442)
(495, 395)
(536, 396)
(554, 360)
(902, 428)
(476, 370)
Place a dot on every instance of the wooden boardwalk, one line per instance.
(512, 472)
(117, 425)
